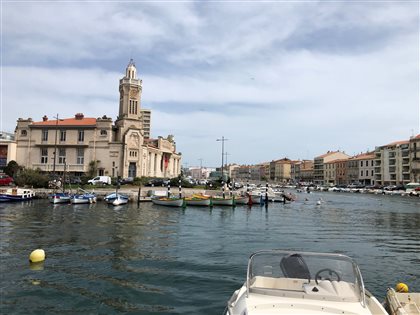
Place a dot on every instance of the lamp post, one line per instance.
(223, 153)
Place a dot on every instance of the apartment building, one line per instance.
(280, 170)
(7, 149)
(341, 171)
(392, 163)
(415, 159)
(301, 170)
(319, 165)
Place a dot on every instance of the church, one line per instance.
(80, 143)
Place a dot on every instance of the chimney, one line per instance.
(79, 116)
(45, 118)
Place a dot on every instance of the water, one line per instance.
(157, 260)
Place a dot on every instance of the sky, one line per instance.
(278, 79)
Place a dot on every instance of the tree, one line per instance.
(93, 169)
(12, 168)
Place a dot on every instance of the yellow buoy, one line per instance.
(401, 287)
(37, 255)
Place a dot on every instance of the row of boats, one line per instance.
(202, 200)
(284, 282)
(81, 197)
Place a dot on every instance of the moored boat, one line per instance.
(60, 198)
(169, 202)
(402, 303)
(220, 201)
(241, 200)
(120, 200)
(16, 194)
(86, 197)
(281, 282)
(110, 198)
(198, 200)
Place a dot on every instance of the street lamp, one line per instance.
(223, 153)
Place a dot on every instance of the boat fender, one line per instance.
(37, 255)
(401, 287)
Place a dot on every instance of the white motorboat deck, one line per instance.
(307, 283)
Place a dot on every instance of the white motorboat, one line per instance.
(399, 303)
(280, 282)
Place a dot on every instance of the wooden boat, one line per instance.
(241, 200)
(169, 202)
(198, 200)
(398, 303)
(16, 194)
(220, 201)
(281, 282)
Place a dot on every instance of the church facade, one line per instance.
(123, 148)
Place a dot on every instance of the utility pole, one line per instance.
(223, 152)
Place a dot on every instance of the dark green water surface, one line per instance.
(156, 260)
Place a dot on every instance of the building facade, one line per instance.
(319, 173)
(415, 159)
(80, 143)
(7, 149)
(392, 164)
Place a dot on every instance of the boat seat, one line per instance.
(294, 266)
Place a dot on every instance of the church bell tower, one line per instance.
(130, 93)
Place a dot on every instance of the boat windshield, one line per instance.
(309, 267)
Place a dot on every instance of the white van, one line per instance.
(100, 180)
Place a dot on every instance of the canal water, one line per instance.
(156, 260)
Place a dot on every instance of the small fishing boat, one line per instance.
(120, 200)
(220, 201)
(198, 200)
(86, 197)
(60, 198)
(16, 194)
(110, 198)
(169, 202)
(281, 282)
(402, 303)
(241, 200)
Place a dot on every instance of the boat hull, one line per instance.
(16, 194)
(198, 202)
(222, 202)
(242, 200)
(120, 200)
(83, 199)
(168, 202)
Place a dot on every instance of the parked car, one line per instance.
(157, 182)
(5, 180)
(125, 181)
(106, 180)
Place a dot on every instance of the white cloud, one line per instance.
(279, 79)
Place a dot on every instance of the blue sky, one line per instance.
(278, 79)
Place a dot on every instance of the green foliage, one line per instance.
(12, 168)
(92, 169)
(31, 177)
(140, 181)
(174, 182)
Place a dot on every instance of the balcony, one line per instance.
(378, 170)
(406, 161)
(60, 167)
